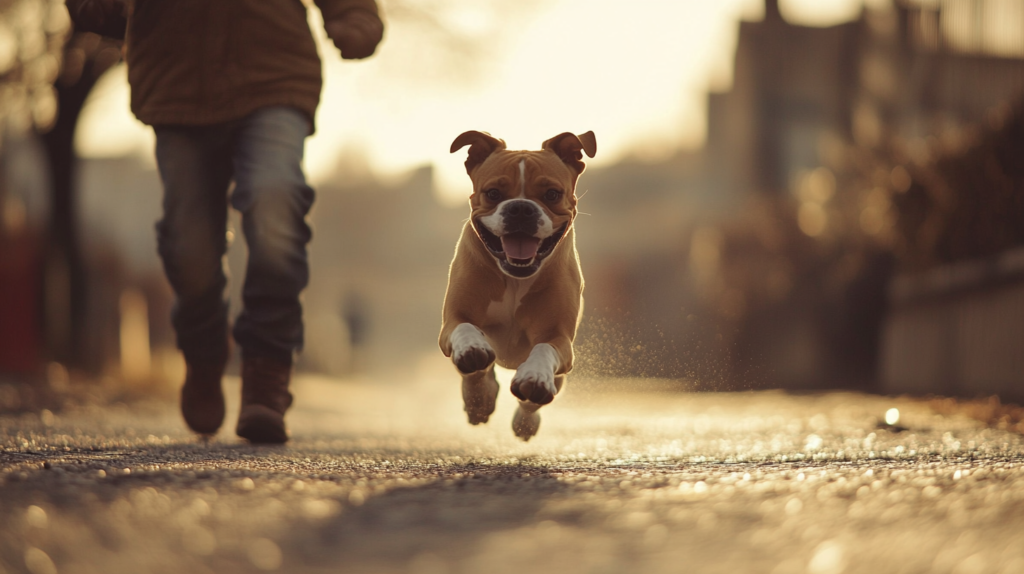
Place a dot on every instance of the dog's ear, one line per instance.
(568, 146)
(481, 146)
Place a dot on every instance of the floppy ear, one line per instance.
(481, 146)
(568, 147)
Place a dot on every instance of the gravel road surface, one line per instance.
(386, 476)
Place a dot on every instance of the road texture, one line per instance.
(385, 477)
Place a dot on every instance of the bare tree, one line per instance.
(46, 73)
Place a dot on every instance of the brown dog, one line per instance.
(515, 288)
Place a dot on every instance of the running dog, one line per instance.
(515, 290)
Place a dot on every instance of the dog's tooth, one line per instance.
(527, 264)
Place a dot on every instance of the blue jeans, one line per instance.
(262, 154)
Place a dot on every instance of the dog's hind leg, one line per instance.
(526, 421)
(479, 393)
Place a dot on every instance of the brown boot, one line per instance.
(202, 400)
(265, 398)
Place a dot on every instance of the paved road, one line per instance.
(387, 477)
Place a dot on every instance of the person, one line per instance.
(231, 88)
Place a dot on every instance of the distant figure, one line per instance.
(355, 313)
(230, 88)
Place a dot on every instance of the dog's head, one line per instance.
(523, 202)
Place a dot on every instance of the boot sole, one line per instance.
(260, 424)
(203, 415)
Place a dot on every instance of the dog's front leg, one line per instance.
(535, 378)
(474, 358)
(535, 384)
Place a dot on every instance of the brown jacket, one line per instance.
(197, 62)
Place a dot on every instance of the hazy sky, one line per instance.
(635, 72)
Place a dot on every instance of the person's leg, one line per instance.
(272, 195)
(196, 168)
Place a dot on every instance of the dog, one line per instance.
(515, 289)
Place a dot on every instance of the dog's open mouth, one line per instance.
(519, 254)
(520, 248)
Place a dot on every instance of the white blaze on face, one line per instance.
(522, 178)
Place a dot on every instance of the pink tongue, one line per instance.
(519, 246)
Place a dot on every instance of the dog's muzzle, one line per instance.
(518, 250)
(520, 216)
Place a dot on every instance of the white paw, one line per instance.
(533, 385)
(470, 350)
(534, 380)
(473, 359)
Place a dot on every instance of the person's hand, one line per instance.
(356, 33)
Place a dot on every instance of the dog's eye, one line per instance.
(552, 195)
(493, 195)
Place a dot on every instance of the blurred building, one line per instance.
(957, 321)
(803, 95)
(822, 131)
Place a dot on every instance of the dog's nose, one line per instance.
(520, 209)
(520, 216)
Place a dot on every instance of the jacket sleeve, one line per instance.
(332, 9)
(105, 19)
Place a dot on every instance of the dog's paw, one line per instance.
(525, 422)
(473, 358)
(535, 386)
(479, 395)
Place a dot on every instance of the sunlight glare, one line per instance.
(106, 127)
(636, 74)
(819, 13)
(892, 416)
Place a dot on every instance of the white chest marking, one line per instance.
(522, 178)
(503, 312)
